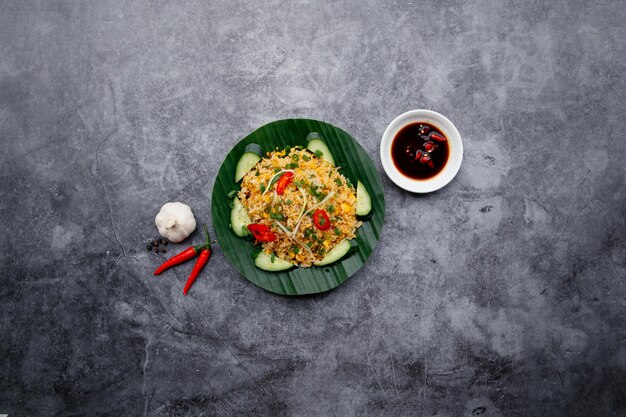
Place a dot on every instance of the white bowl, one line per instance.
(448, 172)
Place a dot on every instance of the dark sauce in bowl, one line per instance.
(420, 151)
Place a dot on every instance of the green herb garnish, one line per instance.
(337, 231)
(319, 153)
(276, 178)
(306, 157)
(330, 208)
(277, 216)
(262, 187)
(295, 157)
(338, 182)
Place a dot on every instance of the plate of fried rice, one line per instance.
(298, 206)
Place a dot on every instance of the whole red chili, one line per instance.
(261, 232)
(184, 256)
(202, 260)
(283, 182)
(321, 220)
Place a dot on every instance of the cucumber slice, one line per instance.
(363, 200)
(264, 261)
(337, 252)
(239, 219)
(316, 143)
(251, 155)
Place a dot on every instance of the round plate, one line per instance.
(355, 165)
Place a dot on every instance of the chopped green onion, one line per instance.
(295, 157)
(296, 250)
(337, 231)
(272, 257)
(231, 194)
(306, 157)
(276, 178)
(319, 153)
(338, 182)
(288, 202)
(232, 204)
(256, 174)
(262, 186)
(292, 165)
(277, 216)
(276, 170)
(331, 208)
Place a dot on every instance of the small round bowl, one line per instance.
(448, 172)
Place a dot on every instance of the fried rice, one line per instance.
(316, 185)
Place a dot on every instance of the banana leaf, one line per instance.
(355, 164)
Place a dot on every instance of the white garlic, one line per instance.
(175, 221)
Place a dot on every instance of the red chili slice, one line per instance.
(262, 233)
(321, 220)
(283, 182)
(436, 136)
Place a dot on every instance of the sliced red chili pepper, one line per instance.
(261, 232)
(283, 182)
(321, 220)
(436, 136)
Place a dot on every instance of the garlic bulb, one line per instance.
(175, 221)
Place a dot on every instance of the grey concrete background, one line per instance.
(501, 295)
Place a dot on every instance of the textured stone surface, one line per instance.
(502, 294)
